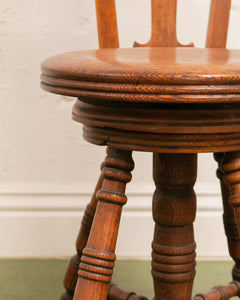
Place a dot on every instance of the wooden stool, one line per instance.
(166, 99)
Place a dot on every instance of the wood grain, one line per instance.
(98, 256)
(197, 119)
(221, 292)
(148, 75)
(231, 170)
(147, 66)
(174, 208)
(107, 24)
(164, 14)
(167, 99)
(71, 275)
(115, 293)
(161, 129)
(218, 23)
(229, 220)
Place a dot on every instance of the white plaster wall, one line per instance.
(45, 166)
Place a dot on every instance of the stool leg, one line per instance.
(98, 257)
(174, 209)
(71, 275)
(230, 173)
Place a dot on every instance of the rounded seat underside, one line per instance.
(148, 75)
(177, 100)
(161, 128)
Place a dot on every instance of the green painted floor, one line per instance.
(42, 279)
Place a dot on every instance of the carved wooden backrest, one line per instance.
(163, 24)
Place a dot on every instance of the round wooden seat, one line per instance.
(149, 75)
(123, 95)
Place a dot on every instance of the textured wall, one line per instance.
(41, 149)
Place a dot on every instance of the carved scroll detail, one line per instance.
(164, 14)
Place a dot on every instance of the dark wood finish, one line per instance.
(174, 119)
(71, 275)
(107, 24)
(172, 129)
(174, 207)
(231, 169)
(98, 257)
(115, 293)
(229, 220)
(221, 292)
(218, 23)
(166, 143)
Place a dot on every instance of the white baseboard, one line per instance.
(40, 221)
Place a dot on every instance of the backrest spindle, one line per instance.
(218, 24)
(107, 24)
(164, 14)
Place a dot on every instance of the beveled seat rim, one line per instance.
(147, 66)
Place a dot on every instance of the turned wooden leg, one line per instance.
(221, 292)
(174, 208)
(98, 257)
(230, 223)
(71, 275)
(115, 293)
